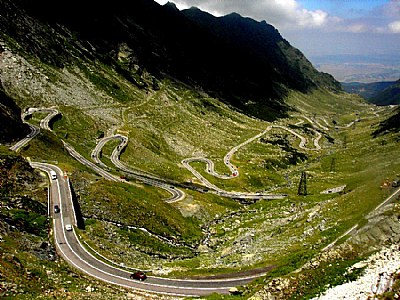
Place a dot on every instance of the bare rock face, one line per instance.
(381, 228)
(381, 269)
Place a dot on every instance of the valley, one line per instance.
(206, 180)
(256, 232)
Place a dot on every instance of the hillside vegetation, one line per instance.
(388, 96)
(379, 93)
(154, 80)
(168, 44)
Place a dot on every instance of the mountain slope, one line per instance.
(169, 44)
(390, 125)
(389, 96)
(11, 128)
(77, 68)
(266, 45)
(366, 90)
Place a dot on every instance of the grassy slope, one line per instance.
(173, 123)
(29, 266)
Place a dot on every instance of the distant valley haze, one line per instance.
(352, 40)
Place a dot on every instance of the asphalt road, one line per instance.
(21, 143)
(70, 248)
(235, 172)
(74, 253)
(176, 194)
(75, 154)
(44, 123)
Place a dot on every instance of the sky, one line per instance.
(320, 27)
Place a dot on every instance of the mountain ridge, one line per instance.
(388, 96)
(106, 82)
(379, 93)
(170, 44)
(266, 43)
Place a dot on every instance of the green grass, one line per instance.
(327, 274)
(175, 122)
(140, 207)
(159, 140)
(78, 129)
(107, 80)
(29, 277)
(32, 222)
(153, 245)
(320, 102)
(4, 150)
(341, 211)
(46, 147)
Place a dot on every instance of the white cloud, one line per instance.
(280, 13)
(291, 16)
(356, 28)
(306, 18)
(394, 27)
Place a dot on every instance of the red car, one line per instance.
(138, 275)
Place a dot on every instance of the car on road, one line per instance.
(53, 175)
(56, 209)
(68, 227)
(139, 275)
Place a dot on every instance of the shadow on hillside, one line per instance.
(80, 223)
(390, 125)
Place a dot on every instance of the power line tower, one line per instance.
(333, 165)
(303, 184)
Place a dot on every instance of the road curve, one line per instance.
(71, 249)
(44, 123)
(234, 171)
(21, 143)
(176, 194)
(314, 122)
(75, 154)
(96, 152)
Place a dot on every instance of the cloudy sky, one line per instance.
(321, 27)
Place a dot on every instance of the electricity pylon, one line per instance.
(303, 184)
(333, 165)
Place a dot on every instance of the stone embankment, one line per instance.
(382, 268)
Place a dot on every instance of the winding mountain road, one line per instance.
(44, 123)
(21, 143)
(176, 194)
(72, 250)
(75, 154)
(235, 172)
